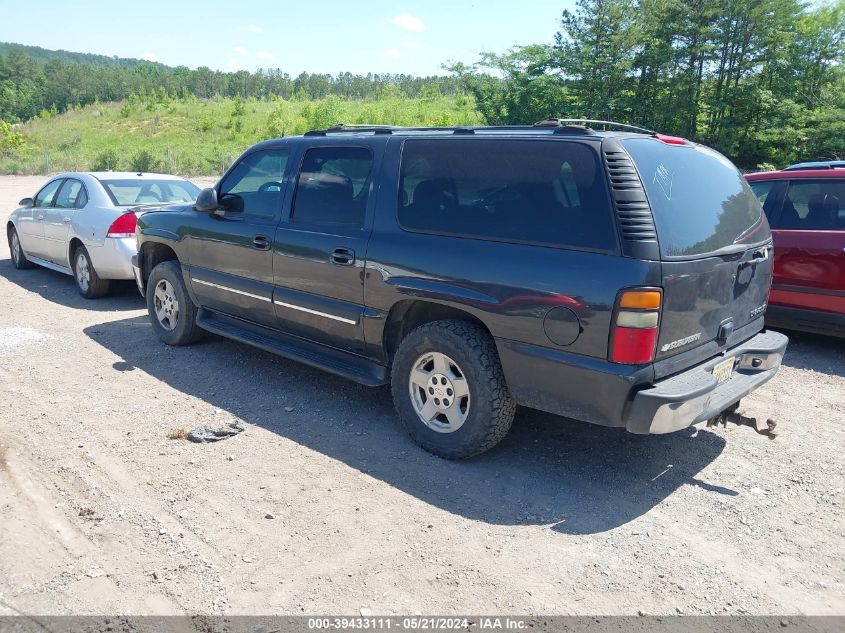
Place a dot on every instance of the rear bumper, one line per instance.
(113, 259)
(694, 395)
(817, 321)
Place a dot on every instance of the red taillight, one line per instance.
(670, 140)
(633, 346)
(124, 226)
(633, 336)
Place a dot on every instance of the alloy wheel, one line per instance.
(166, 305)
(83, 272)
(439, 392)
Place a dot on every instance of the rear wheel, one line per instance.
(18, 257)
(88, 282)
(172, 312)
(449, 389)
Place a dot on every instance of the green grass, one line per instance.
(192, 137)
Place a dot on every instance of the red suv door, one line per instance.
(809, 239)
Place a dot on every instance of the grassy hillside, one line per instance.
(199, 137)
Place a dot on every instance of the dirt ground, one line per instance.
(324, 506)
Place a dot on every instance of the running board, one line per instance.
(340, 363)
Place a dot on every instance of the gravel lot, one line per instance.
(101, 513)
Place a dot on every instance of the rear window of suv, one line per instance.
(701, 203)
(532, 191)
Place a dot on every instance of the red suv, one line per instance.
(805, 205)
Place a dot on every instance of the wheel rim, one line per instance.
(16, 248)
(83, 272)
(166, 305)
(439, 392)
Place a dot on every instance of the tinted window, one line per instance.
(813, 205)
(545, 192)
(68, 194)
(701, 203)
(255, 184)
(768, 193)
(129, 192)
(333, 186)
(44, 198)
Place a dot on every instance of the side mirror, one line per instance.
(207, 201)
(27, 203)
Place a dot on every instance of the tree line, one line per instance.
(34, 81)
(761, 80)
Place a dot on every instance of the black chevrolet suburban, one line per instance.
(616, 276)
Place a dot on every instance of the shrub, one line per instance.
(143, 162)
(105, 161)
(9, 139)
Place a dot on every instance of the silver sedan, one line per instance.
(83, 224)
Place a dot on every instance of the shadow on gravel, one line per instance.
(60, 288)
(573, 477)
(824, 354)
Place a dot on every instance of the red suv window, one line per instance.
(813, 205)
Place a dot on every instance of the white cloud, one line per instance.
(233, 64)
(254, 28)
(408, 22)
(149, 57)
(263, 55)
(392, 52)
(240, 50)
(413, 44)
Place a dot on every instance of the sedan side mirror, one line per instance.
(207, 201)
(27, 203)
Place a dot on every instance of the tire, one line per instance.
(172, 312)
(465, 356)
(18, 256)
(87, 280)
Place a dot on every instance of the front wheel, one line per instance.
(18, 257)
(172, 312)
(449, 389)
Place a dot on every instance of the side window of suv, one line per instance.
(333, 187)
(768, 192)
(255, 185)
(543, 192)
(813, 205)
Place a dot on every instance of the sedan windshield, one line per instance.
(128, 192)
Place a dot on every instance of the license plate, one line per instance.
(722, 371)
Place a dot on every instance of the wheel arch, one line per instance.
(72, 245)
(407, 315)
(154, 253)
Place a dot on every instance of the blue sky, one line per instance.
(413, 36)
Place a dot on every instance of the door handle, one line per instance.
(261, 242)
(66, 220)
(40, 218)
(343, 257)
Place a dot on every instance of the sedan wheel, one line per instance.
(18, 257)
(83, 272)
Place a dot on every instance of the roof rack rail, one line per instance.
(819, 164)
(389, 129)
(588, 123)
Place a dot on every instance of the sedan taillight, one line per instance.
(124, 226)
